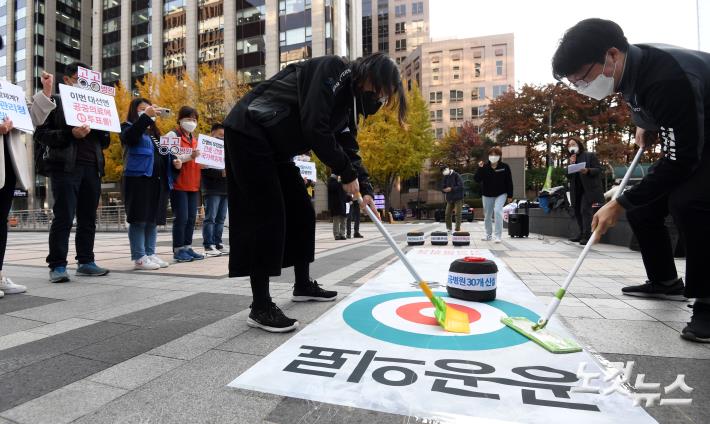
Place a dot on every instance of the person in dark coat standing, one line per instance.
(496, 186)
(336, 206)
(214, 189)
(299, 109)
(585, 188)
(452, 187)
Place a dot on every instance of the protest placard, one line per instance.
(308, 169)
(87, 107)
(14, 106)
(211, 152)
(172, 145)
(91, 80)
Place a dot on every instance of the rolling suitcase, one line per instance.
(519, 223)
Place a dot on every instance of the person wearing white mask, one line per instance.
(667, 89)
(496, 186)
(452, 187)
(186, 187)
(585, 188)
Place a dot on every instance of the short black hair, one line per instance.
(587, 42)
(382, 72)
(216, 126)
(73, 68)
(187, 112)
(132, 116)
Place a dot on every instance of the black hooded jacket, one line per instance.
(309, 106)
(668, 89)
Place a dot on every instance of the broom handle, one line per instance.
(392, 243)
(560, 293)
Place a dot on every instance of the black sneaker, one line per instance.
(271, 319)
(358, 235)
(584, 241)
(313, 291)
(575, 239)
(698, 329)
(658, 291)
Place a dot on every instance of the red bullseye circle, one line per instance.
(412, 312)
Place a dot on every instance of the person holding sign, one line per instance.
(73, 159)
(585, 187)
(186, 188)
(301, 108)
(14, 167)
(147, 176)
(214, 187)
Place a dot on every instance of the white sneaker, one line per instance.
(145, 263)
(2, 294)
(212, 251)
(156, 260)
(224, 250)
(486, 238)
(7, 286)
(497, 240)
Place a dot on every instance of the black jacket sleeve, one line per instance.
(317, 97)
(595, 168)
(131, 133)
(480, 173)
(679, 109)
(348, 142)
(509, 181)
(54, 132)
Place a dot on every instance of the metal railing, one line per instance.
(108, 218)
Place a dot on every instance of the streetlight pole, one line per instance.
(549, 131)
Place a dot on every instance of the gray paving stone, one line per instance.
(624, 314)
(605, 303)
(47, 347)
(73, 290)
(664, 371)
(39, 378)
(64, 405)
(135, 372)
(292, 410)
(18, 338)
(19, 302)
(227, 328)
(670, 315)
(644, 304)
(194, 393)
(256, 342)
(9, 325)
(577, 312)
(63, 326)
(635, 338)
(187, 347)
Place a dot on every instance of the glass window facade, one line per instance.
(211, 32)
(366, 27)
(174, 33)
(141, 36)
(383, 26)
(295, 31)
(3, 34)
(111, 46)
(251, 48)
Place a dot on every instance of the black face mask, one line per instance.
(368, 103)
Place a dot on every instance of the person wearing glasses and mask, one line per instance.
(585, 188)
(668, 90)
(496, 186)
(310, 105)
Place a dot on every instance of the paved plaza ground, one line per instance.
(161, 346)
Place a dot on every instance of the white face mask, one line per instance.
(494, 159)
(188, 125)
(601, 87)
(142, 112)
(447, 171)
(573, 149)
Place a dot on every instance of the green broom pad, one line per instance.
(544, 338)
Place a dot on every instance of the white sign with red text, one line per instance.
(87, 107)
(211, 152)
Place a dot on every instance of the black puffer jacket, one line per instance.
(668, 89)
(309, 106)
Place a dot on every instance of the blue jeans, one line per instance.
(184, 205)
(142, 236)
(491, 206)
(215, 212)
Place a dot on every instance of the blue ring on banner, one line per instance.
(358, 315)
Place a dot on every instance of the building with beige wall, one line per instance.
(458, 78)
(395, 27)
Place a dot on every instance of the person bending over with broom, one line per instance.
(667, 89)
(310, 105)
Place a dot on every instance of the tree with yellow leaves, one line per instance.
(389, 151)
(114, 154)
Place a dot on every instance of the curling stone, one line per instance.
(439, 238)
(461, 238)
(472, 278)
(415, 238)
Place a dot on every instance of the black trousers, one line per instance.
(689, 204)
(272, 220)
(354, 216)
(583, 213)
(6, 194)
(77, 194)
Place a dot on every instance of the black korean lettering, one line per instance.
(441, 385)
(333, 360)
(564, 376)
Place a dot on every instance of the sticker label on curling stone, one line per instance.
(444, 239)
(414, 239)
(478, 282)
(461, 239)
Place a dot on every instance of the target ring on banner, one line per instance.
(407, 319)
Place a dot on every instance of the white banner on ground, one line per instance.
(87, 107)
(14, 106)
(381, 349)
(211, 152)
(308, 169)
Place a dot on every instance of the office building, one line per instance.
(395, 27)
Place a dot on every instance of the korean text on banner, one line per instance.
(14, 106)
(308, 169)
(211, 152)
(87, 107)
(172, 145)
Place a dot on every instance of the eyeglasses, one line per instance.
(581, 83)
